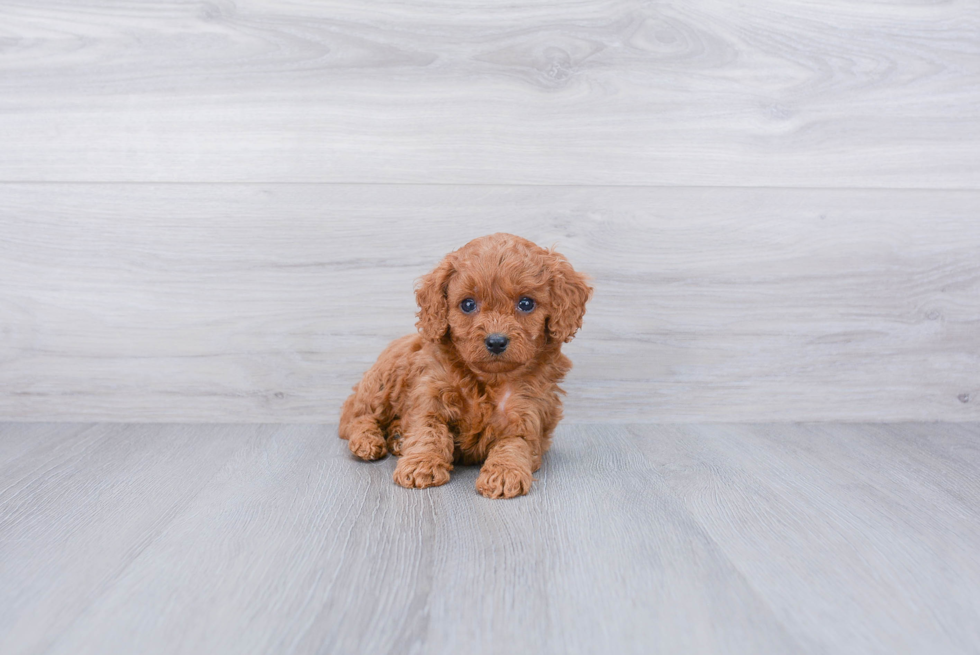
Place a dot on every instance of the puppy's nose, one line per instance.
(496, 343)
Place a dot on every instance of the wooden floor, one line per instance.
(767, 538)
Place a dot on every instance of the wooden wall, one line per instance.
(215, 211)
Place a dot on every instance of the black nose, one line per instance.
(496, 343)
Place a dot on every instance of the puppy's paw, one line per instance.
(369, 445)
(499, 481)
(419, 472)
(395, 444)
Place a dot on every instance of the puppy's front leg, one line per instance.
(427, 454)
(507, 470)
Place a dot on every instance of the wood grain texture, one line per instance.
(774, 93)
(843, 500)
(76, 511)
(809, 538)
(266, 303)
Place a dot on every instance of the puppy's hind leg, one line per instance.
(370, 411)
(360, 424)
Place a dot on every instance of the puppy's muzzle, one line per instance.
(496, 343)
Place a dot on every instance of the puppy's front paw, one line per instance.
(368, 445)
(499, 481)
(419, 472)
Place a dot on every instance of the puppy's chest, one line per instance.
(491, 411)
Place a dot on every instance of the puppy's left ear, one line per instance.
(569, 293)
(430, 294)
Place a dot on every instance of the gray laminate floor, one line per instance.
(782, 538)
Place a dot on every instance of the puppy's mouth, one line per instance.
(495, 366)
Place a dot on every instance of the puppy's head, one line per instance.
(500, 300)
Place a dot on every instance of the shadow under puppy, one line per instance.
(479, 382)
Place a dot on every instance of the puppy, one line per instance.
(479, 382)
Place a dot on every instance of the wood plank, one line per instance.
(603, 556)
(854, 535)
(23, 439)
(297, 548)
(618, 92)
(807, 538)
(262, 303)
(76, 512)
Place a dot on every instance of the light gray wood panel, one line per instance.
(891, 528)
(21, 439)
(75, 512)
(612, 92)
(302, 549)
(260, 303)
(643, 577)
(634, 539)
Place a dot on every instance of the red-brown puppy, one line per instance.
(479, 383)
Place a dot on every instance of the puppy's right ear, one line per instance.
(430, 294)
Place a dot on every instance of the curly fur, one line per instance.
(441, 397)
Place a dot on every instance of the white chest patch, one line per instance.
(502, 403)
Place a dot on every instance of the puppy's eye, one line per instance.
(468, 306)
(525, 304)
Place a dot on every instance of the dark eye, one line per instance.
(468, 306)
(525, 304)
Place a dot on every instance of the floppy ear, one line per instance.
(569, 293)
(430, 294)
